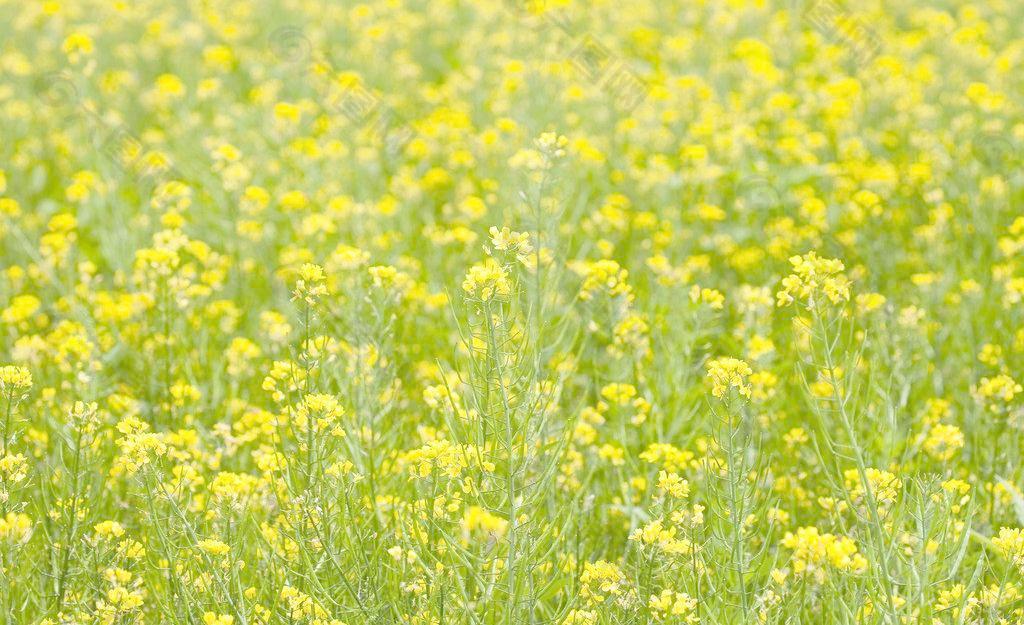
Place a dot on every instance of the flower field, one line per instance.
(505, 313)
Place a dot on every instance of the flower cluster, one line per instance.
(726, 373)
(814, 277)
(816, 553)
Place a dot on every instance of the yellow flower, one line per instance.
(15, 527)
(214, 547)
(605, 276)
(210, 618)
(813, 552)
(138, 446)
(552, 143)
(1010, 543)
(13, 378)
(711, 297)
(884, 486)
(311, 284)
(997, 392)
(673, 604)
(109, 529)
(77, 43)
(943, 441)
(601, 580)
(618, 394)
(13, 468)
(673, 484)
(487, 280)
(668, 456)
(812, 277)
(477, 518)
(726, 373)
(21, 308)
(514, 243)
(440, 456)
(868, 302)
(580, 617)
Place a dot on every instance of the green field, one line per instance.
(488, 313)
